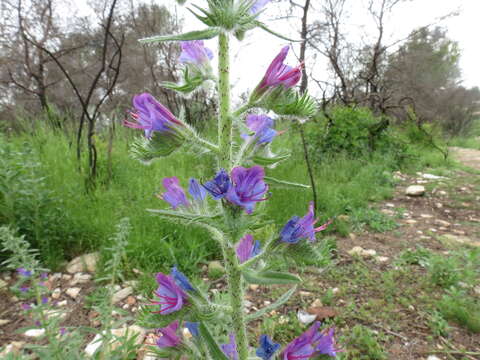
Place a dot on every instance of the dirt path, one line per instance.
(469, 157)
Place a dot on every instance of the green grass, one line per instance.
(84, 221)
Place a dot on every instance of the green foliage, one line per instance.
(418, 256)
(362, 344)
(457, 306)
(443, 271)
(438, 325)
(372, 218)
(355, 132)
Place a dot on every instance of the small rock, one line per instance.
(125, 307)
(323, 312)
(356, 251)
(433, 177)
(3, 284)
(4, 321)
(66, 277)
(266, 303)
(305, 293)
(131, 283)
(426, 216)
(54, 313)
(73, 292)
(369, 253)
(433, 357)
(254, 287)
(459, 232)
(439, 205)
(442, 193)
(335, 290)
(381, 259)
(411, 221)
(122, 294)
(476, 289)
(131, 300)
(93, 345)
(387, 212)
(56, 293)
(87, 262)
(215, 269)
(62, 303)
(80, 278)
(317, 303)
(248, 303)
(352, 236)
(34, 333)
(442, 223)
(306, 318)
(56, 276)
(13, 348)
(460, 240)
(390, 205)
(415, 190)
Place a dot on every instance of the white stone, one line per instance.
(129, 332)
(411, 221)
(80, 278)
(3, 284)
(4, 321)
(382, 259)
(122, 294)
(62, 303)
(52, 314)
(13, 348)
(87, 262)
(443, 223)
(433, 357)
(305, 318)
(56, 293)
(34, 333)
(356, 250)
(426, 216)
(460, 240)
(253, 287)
(390, 205)
(369, 253)
(433, 177)
(55, 277)
(93, 345)
(131, 283)
(415, 190)
(73, 292)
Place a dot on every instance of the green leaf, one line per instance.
(290, 102)
(209, 33)
(159, 145)
(176, 215)
(265, 161)
(282, 183)
(280, 301)
(213, 347)
(270, 277)
(274, 33)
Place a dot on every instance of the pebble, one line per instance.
(415, 190)
(426, 216)
(3, 284)
(433, 357)
(359, 251)
(411, 221)
(13, 348)
(66, 277)
(62, 303)
(382, 259)
(73, 292)
(317, 303)
(87, 262)
(34, 333)
(56, 293)
(305, 318)
(254, 287)
(131, 300)
(80, 278)
(4, 322)
(305, 293)
(122, 294)
(442, 223)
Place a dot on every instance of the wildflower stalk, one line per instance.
(236, 292)
(224, 118)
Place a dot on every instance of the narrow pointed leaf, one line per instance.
(175, 215)
(209, 33)
(270, 277)
(280, 301)
(213, 347)
(282, 183)
(274, 33)
(265, 161)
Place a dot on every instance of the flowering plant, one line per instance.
(227, 204)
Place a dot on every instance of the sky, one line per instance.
(251, 57)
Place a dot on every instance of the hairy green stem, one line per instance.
(236, 292)
(224, 117)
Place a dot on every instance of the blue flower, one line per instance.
(181, 280)
(197, 191)
(249, 187)
(219, 186)
(230, 349)
(195, 53)
(267, 348)
(24, 272)
(175, 195)
(262, 126)
(193, 328)
(247, 248)
(299, 228)
(258, 5)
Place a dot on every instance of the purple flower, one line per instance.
(327, 345)
(44, 300)
(24, 272)
(44, 276)
(194, 52)
(197, 191)
(172, 297)
(311, 344)
(181, 280)
(249, 187)
(169, 337)
(230, 349)
(219, 186)
(62, 331)
(150, 115)
(298, 228)
(262, 126)
(258, 5)
(175, 195)
(26, 307)
(247, 248)
(279, 74)
(267, 348)
(193, 328)
(24, 289)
